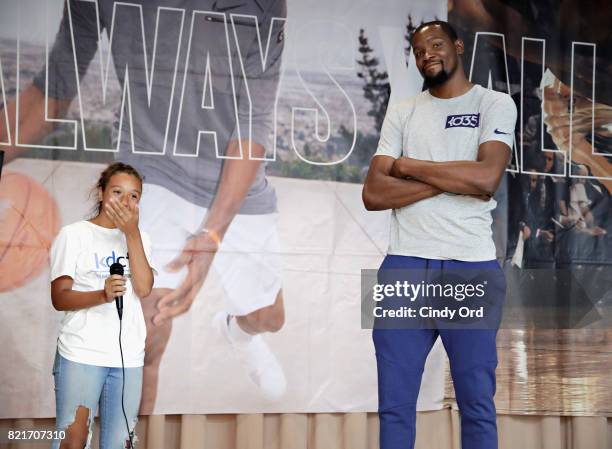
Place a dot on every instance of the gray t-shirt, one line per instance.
(203, 33)
(446, 226)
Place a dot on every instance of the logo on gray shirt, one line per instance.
(463, 121)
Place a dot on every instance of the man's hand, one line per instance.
(397, 167)
(125, 218)
(382, 190)
(404, 165)
(197, 255)
(479, 177)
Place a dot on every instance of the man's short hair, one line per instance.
(446, 27)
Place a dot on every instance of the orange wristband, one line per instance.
(213, 235)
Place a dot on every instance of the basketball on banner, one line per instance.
(29, 221)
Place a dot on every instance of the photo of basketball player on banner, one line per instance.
(554, 61)
(206, 199)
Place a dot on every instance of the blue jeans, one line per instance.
(401, 355)
(78, 384)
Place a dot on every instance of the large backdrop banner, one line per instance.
(261, 117)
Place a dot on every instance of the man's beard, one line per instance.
(438, 79)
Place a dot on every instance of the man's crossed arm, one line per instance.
(394, 183)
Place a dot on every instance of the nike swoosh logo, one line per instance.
(225, 8)
(497, 131)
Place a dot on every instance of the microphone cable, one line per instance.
(123, 387)
(117, 268)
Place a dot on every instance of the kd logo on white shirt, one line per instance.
(107, 261)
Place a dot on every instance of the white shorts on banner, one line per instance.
(248, 261)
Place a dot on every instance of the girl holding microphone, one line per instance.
(99, 357)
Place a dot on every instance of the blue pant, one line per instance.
(400, 357)
(78, 384)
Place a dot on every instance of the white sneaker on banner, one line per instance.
(262, 366)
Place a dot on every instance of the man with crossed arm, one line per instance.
(441, 156)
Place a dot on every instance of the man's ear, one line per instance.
(459, 46)
(100, 194)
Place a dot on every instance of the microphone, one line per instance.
(117, 268)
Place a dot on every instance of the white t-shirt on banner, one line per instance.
(84, 251)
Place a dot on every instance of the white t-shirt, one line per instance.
(578, 198)
(84, 251)
(446, 226)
